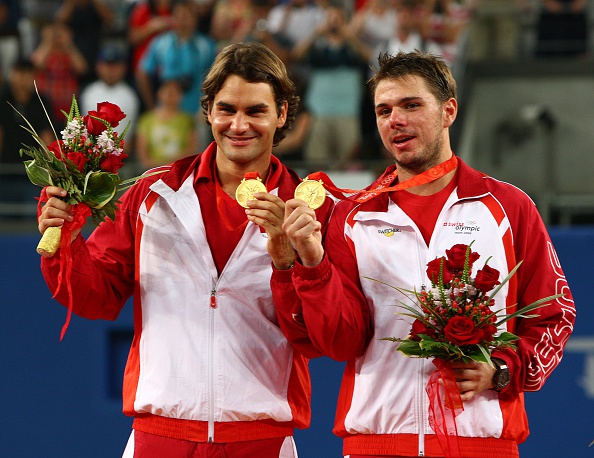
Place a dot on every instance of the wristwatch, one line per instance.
(501, 377)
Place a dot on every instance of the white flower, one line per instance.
(106, 144)
(74, 129)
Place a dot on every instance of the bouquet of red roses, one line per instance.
(84, 162)
(456, 318)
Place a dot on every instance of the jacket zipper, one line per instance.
(422, 408)
(211, 318)
(421, 412)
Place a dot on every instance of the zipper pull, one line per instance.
(213, 299)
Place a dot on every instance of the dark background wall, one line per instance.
(62, 399)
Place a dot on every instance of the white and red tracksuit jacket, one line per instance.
(208, 361)
(333, 310)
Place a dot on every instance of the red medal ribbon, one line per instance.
(251, 176)
(445, 405)
(80, 212)
(428, 176)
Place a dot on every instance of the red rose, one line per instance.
(488, 332)
(111, 163)
(461, 330)
(486, 279)
(79, 160)
(94, 126)
(418, 327)
(457, 256)
(55, 148)
(433, 268)
(111, 113)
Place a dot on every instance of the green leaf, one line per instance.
(414, 313)
(521, 313)
(123, 136)
(506, 337)
(100, 188)
(38, 175)
(484, 356)
(410, 348)
(505, 280)
(406, 292)
(58, 165)
(129, 182)
(110, 211)
(429, 344)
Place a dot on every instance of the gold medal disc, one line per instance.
(312, 192)
(246, 189)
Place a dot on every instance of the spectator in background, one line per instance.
(443, 23)
(291, 148)
(148, 19)
(86, 19)
(296, 20)
(406, 36)
(562, 28)
(59, 66)
(256, 29)
(165, 133)
(229, 19)
(374, 23)
(334, 90)
(111, 86)
(182, 53)
(10, 14)
(20, 93)
(205, 12)
(35, 14)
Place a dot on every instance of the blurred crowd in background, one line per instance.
(149, 57)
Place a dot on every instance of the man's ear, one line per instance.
(282, 116)
(450, 111)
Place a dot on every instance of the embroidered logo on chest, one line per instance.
(388, 232)
(468, 227)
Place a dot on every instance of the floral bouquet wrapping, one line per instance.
(457, 319)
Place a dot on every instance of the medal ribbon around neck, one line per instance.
(357, 195)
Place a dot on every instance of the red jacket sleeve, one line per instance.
(289, 312)
(102, 274)
(324, 305)
(543, 337)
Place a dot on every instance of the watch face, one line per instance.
(502, 376)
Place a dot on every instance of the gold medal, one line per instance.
(312, 192)
(246, 189)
